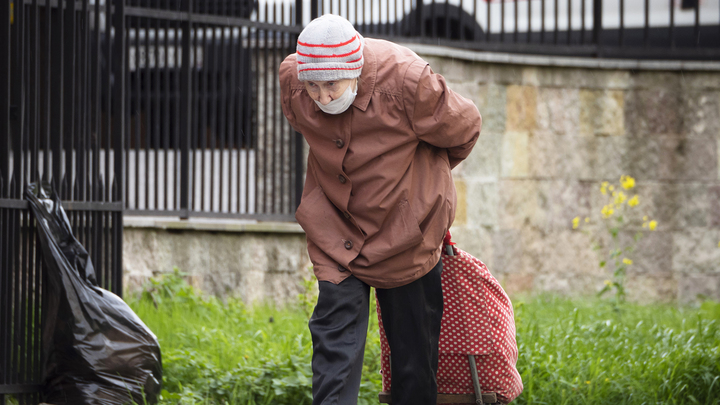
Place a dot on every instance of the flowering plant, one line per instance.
(616, 215)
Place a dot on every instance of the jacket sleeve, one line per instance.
(438, 115)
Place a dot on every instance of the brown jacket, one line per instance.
(379, 196)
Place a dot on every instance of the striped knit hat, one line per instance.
(329, 48)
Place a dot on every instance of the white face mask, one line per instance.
(340, 104)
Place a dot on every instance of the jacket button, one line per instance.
(339, 143)
(341, 268)
(342, 178)
(348, 244)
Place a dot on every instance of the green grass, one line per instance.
(571, 351)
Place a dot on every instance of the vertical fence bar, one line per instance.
(213, 107)
(166, 95)
(582, 22)
(474, 18)
(529, 24)
(47, 94)
(33, 86)
(671, 29)
(18, 67)
(266, 63)
(556, 13)
(597, 24)
(83, 155)
(195, 133)
(446, 15)
(251, 138)
(502, 21)
(5, 60)
(569, 22)
(273, 132)
(147, 129)
(69, 101)
(542, 21)
(621, 31)
(223, 107)
(646, 28)
(5, 293)
(203, 118)
(515, 25)
(157, 74)
(696, 28)
(119, 123)
(58, 90)
(239, 134)
(185, 116)
(419, 7)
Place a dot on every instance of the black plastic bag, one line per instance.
(95, 349)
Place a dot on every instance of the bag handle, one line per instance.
(449, 245)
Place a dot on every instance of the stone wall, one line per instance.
(551, 135)
(255, 262)
(553, 130)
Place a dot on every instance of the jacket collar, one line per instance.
(368, 77)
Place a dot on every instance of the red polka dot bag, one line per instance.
(477, 320)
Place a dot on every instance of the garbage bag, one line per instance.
(95, 348)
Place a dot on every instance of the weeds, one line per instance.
(571, 352)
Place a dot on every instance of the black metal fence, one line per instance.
(206, 135)
(59, 109)
(661, 29)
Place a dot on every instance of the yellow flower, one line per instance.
(576, 222)
(608, 282)
(587, 382)
(627, 182)
(620, 198)
(634, 201)
(603, 187)
(652, 225)
(607, 211)
(645, 218)
(627, 261)
(611, 187)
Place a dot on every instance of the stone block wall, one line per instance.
(551, 135)
(254, 262)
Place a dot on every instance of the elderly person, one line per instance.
(384, 132)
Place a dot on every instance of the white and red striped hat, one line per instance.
(329, 48)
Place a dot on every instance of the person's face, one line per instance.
(327, 91)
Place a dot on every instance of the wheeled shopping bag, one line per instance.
(477, 329)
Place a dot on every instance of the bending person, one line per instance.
(384, 131)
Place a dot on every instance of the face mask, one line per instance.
(340, 104)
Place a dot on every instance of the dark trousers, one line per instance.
(411, 316)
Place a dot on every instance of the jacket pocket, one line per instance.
(323, 226)
(399, 232)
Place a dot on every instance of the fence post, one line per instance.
(118, 182)
(597, 25)
(185, 116)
